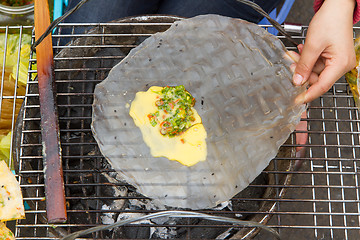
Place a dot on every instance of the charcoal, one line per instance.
(137, 232)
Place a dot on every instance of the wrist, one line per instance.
(348, 4)
(352, 7)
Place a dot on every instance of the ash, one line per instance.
(161, 228)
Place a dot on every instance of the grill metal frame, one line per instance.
(322, 200)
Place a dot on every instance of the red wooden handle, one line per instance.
(53, 173)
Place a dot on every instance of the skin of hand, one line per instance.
(328, 52)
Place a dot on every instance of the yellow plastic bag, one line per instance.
(12, 51)
(5, 142)
(9, 87)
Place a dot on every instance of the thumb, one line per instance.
(309, 56)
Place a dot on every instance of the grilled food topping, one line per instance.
(170, 125)
(174, 114)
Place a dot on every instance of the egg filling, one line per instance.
(170, 125)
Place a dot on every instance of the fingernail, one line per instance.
(292, 67)
(298, 79)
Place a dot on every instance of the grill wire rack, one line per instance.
(322, 200)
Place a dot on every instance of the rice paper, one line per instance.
(240, 77)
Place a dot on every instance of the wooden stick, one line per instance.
(53, 173)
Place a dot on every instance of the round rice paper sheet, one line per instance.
(240, 77)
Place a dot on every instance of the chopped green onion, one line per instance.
(174, 111)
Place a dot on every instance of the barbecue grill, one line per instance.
(309, 194)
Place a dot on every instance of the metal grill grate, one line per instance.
(321, 201)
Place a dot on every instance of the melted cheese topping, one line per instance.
(187, 148)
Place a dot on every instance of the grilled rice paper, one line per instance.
(5, 233)
(240, 77)
(11, 201)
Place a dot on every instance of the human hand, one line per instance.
(328, 52)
